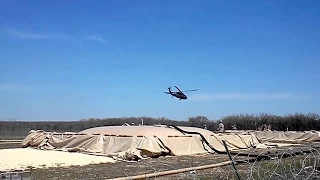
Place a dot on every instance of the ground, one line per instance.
(124, 169)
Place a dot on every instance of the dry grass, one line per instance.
(9, 145)
(124, 169)
(293, 167)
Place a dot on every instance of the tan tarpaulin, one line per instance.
(134, 142)
(287, 136)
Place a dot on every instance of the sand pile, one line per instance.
(21, 158)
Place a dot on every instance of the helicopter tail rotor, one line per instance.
(169, 88)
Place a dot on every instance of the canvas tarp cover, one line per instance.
(288, 136)
(135, 142)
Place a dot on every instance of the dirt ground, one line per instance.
(127, 169)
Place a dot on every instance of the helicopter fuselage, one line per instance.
(179, 95)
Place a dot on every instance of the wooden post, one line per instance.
(163, 173)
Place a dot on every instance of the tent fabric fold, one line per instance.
(137, 142)
(287, 136)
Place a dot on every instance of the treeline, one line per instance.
(292, 122)
(14, 128)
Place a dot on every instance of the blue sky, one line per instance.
(79, 59)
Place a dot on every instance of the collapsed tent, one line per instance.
(287, 136)
(135, 142)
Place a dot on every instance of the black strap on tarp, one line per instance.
(202, 137)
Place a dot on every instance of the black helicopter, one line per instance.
(180, 95)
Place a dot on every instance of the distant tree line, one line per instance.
(292, 122)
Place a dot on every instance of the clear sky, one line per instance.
(67, 60)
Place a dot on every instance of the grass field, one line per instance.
(9, 137)
(123, 169)
(9, 145)
(269, 169)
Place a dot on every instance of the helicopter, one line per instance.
(180, 95)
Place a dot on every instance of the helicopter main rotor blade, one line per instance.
(177, 88)
(190, 90)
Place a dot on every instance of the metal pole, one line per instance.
(233, 165)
